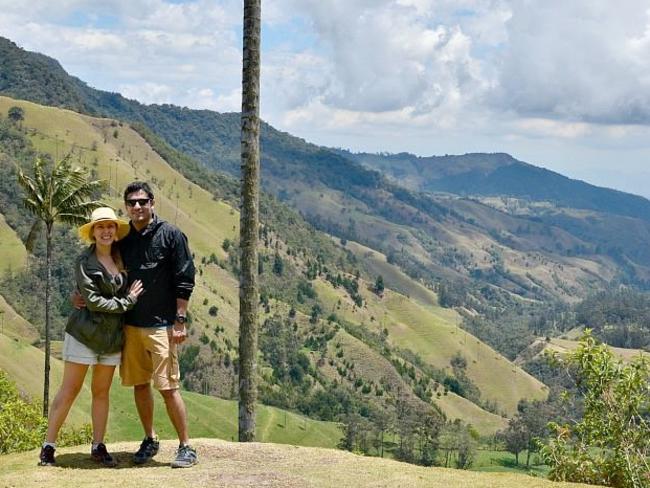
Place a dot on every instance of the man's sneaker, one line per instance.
(46, 457)
(185, 457)
(148, 449)
(101, 455)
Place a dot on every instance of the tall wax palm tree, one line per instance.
(250, 170)
(56, 192)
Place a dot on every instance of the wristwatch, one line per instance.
(181, 319)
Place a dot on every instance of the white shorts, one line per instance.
(76, 352)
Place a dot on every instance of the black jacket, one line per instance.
(160, 257)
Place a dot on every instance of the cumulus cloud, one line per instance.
(384, 55)
(580, 60)
(548, 80)
(151, 50)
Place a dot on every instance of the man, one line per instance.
(156, 253)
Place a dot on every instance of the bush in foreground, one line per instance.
(22, 426)
(611, 445)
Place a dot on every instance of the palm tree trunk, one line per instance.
(48, 306)
(250, 169)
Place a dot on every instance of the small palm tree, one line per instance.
(57, 192)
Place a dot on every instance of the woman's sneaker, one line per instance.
(101, 455)
(185, 457)
(46, 457)
(148, 449)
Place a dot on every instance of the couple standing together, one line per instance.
(134, 282)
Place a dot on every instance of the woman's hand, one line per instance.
(136, 289)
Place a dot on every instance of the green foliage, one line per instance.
(69, 436)
(278, 264)
(22, 427)
(58, 192)
(379, 285)
(611, 444)
(16, 114)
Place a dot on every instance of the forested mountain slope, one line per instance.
(340, 324)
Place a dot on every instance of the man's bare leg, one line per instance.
(177, 413)
(144, 404)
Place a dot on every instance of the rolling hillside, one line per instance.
(118, 154)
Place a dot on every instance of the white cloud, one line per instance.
(561, 83)
(579, 60)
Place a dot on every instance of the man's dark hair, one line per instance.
(137, 186)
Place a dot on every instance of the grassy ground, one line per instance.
(501, 461)
(251, 465)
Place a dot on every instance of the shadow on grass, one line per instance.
(124, 460)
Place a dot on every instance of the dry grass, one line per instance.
(226, 464)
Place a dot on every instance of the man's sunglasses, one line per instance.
(141, 201)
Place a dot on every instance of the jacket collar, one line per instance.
(151, 227)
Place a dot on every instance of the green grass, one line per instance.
(12, 250)
(394, 277)
(437, 340)
(505, 462)
(208, 416)
(13, 325)
(457, 407)
(432, 332)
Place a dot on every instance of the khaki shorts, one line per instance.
(148, 355)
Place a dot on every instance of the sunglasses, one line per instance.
(141, 201)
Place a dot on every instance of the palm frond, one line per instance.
(58, 192)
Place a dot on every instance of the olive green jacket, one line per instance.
(99, 325)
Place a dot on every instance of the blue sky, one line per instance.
(564, 85)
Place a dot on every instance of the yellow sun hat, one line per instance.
(103, 214)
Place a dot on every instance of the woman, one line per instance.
(94, 335)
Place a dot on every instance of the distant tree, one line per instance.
(16, 114)
(466, 449)
(379, 285)
(535, 416)
(57, 192)
(515, 437)
(225, 245)
(278, 264)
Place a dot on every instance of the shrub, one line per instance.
(611, 444)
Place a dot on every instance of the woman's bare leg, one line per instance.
(101, 387)
(73, 379)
